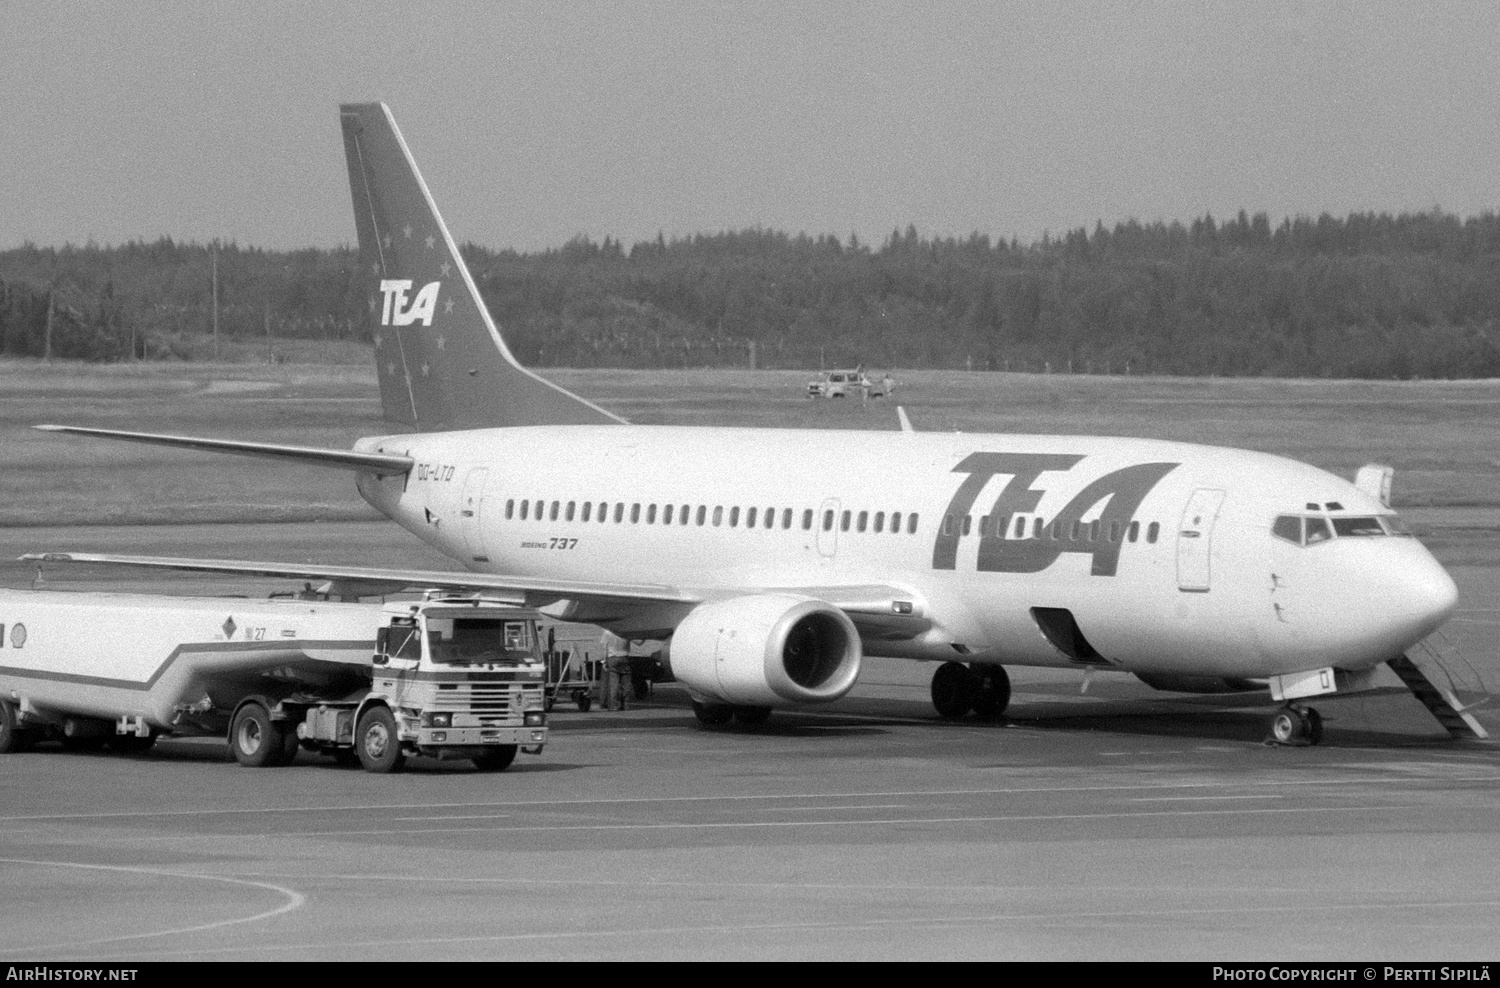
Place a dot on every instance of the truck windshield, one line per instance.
(465, 641)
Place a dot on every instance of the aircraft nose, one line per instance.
(1418, 597)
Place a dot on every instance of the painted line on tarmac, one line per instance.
(295, 900)
(1131, 914)
(1412, 780)
(754, 824)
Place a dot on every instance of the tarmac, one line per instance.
(1117, 824)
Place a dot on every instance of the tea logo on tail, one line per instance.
(397, 312)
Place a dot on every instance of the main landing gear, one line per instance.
(980, 687)
(1297, 726)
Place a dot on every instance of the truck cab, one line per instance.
(450, 679)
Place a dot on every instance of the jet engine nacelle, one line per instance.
(767, 650)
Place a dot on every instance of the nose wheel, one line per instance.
(1297, 726)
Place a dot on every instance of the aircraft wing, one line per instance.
(384, 463)
(367, 580)
(878, 610)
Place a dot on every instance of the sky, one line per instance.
(537, 122)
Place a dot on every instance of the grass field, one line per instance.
(1443, 437)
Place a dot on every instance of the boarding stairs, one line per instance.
(1432, 683)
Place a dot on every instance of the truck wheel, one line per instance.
(496, 759)
(584, 701)
(254, 739)
(13, 738)
(377, 743)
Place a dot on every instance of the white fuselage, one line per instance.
(1162, 552)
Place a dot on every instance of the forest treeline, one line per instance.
(1367, 295)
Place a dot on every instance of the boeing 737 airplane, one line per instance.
(1196, 568)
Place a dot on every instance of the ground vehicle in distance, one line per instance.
(849, 384)
(445, 677)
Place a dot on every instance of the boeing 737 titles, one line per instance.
(1195, 568)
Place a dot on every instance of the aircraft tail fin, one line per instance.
(441, 359)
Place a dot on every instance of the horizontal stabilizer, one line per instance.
(381, 463)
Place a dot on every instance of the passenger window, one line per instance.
(718, 515)
(619, 512)
(552, 516)
(683, 514)
(540, 507)
(603, 511)
(702, 513)
(770, 521)
(588, 510)
(750, 514)
(1020, 527)
(1135, 531)
(510, 509)
(911, 523)
(524, 506)
(1036, 529)
(1318, 531)
(807, 517)
(651, 514)
(879, 521)
(1073, 532)
(1152, 531)
(1288, 527)
(863, 521)
(844, 521)
(666, 514)
(635, 513)
(734, 517)
(1114, 531)
(947, 524)
(571, 506)
(968, 520)
(1356, 527)
(828, 521)
(786, 518)
(895, 523)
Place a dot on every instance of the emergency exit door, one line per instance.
(469, 514)
(1195, 538)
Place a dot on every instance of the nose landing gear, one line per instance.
(1296, 726)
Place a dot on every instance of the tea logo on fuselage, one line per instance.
(1124, 490)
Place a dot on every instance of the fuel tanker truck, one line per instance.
(442, 677)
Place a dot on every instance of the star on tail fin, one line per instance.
(441, 360)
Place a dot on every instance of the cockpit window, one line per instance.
(1317, 531)
(1312, 529)
(1357, 526)
(1288, 527)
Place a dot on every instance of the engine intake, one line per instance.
(767, 649)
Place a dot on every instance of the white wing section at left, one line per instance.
(350, 581)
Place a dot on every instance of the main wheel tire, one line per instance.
(254, 739)
(13, 737)
(290, 743)
(953, 689)
(376, 741)
(712, 714)
(752, 716)
(1289, 727)
(1314, 727)
(991, 690)
(584, 701)
(496, 759)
